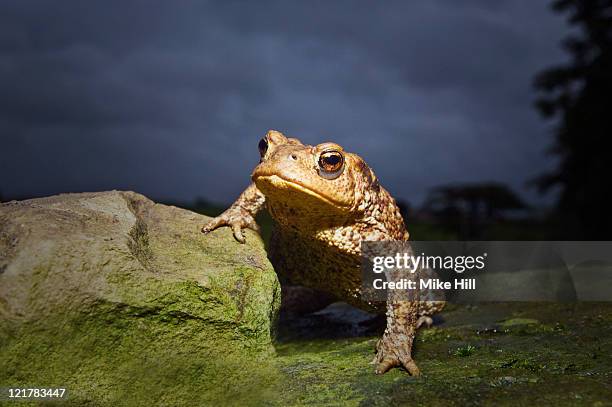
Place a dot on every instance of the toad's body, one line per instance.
(325, 202)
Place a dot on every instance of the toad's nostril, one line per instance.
(293, 157)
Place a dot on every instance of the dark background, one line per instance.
(453, 104)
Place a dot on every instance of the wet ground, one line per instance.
(485, 354)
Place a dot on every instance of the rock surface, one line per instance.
(494, 354)
(124, 301)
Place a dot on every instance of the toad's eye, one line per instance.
(331, 164)
(263, 147)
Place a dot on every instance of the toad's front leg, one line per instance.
(241, 214)
(394, 349)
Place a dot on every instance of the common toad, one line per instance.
(325, 202)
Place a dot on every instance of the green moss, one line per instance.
(140, 363)
(565, 367)
(120, 355)
(166, 342)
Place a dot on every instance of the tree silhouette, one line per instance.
(579, 95)
(468, 208)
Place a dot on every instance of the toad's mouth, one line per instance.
(269, 184)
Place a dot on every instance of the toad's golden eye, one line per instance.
(331, 164)
(263, 147)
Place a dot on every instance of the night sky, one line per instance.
(171, 98)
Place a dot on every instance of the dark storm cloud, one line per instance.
(170, 98)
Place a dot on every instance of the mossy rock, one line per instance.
(124, 302)
(466, 360)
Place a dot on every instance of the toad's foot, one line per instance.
(393, 351)
(236, 218)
